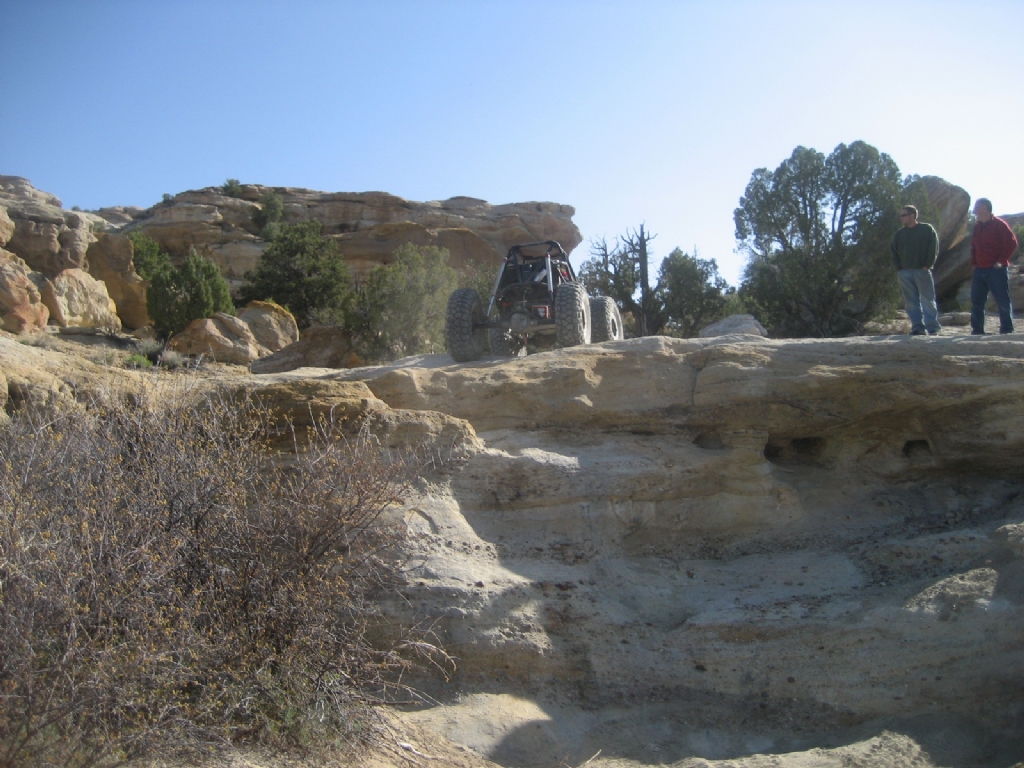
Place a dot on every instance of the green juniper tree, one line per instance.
(177, 296)
(401, 308)
(269, 214)
(817, 232)
(303, 271)
(688, 294)
(692, 292)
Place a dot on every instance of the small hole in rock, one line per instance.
(916, 449)
(709, 441)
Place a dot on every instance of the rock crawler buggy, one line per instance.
(536, 299)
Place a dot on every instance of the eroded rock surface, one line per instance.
(46, 236)
(773, 542)
(746, 325)
(76, 298)
(223, 338)
(21, 301)
(367, 226)
(322, 346)
(273, 326)
(112, 260)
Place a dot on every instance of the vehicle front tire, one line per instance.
(572, 315)
(605, 319)
(464, 340)
(505, 344)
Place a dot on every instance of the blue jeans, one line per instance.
(983, 280)
(918, 290)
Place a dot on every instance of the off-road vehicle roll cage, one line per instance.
(536, 296)
(524, 290)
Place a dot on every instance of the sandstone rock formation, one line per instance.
(259, 330)
(46, 236)
(367, 226)
(953, 265)
(111, 259)
(324, 346)
(796, 531)
(75, 298)
(222, 338)
(21, 302)
(953, 203)
(273, 326)
(6, 227)
(677, 550)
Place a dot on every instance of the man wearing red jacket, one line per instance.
(992, 245)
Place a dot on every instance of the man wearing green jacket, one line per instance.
(914, 250)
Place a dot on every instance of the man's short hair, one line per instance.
(910, 209)
(984, 201)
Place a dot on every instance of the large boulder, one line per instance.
(76, 298)
(952, 268)
(111, 259)
(324, 346)
(953, 202)
(273, 326)
(367, 226)
(21, 302)
(259, 330)
(746, 325)
(223, 338)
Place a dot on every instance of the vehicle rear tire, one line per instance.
(572, 315)
(606, 321)
(505, 344)
(464, 340)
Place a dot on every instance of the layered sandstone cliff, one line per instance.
(367, 226)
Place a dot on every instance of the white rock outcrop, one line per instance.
(744, 325)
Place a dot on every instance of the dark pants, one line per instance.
(996, 280)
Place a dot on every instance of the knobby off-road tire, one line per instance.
(572, 315)
(606, 322)
(505, 344)
(463, 340)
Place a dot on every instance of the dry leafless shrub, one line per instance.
(168, 585)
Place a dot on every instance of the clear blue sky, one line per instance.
(632, 112)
